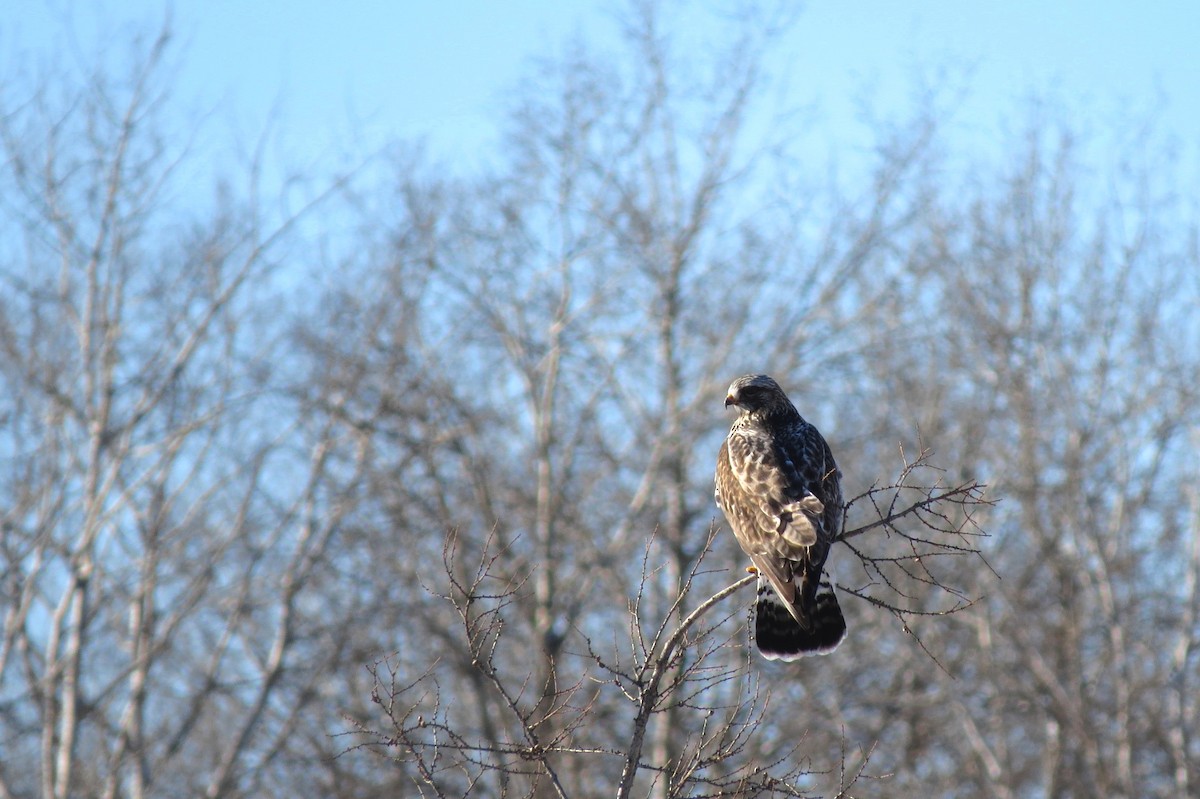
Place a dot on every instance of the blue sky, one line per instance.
(439, 71)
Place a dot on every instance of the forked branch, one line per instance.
(677, 667)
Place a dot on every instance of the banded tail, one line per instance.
(780, 637)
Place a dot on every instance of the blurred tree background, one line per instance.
(404, 462)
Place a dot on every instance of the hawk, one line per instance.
(780, 489)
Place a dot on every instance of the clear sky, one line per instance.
(438, 70)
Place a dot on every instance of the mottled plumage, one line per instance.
(780, 490)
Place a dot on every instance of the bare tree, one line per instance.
(1015, 334)
(568, 339)
(476, 453)
(1037, 331)
(695, 670)
(155, 568)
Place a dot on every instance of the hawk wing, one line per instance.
(780, 492)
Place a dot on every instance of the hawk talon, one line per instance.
(752, 569)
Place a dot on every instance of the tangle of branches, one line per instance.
(583, 728)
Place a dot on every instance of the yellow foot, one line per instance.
(752, 569)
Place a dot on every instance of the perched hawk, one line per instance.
(779, 487)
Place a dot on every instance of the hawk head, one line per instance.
(752, 393)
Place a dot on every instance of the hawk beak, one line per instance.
(730, 401)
